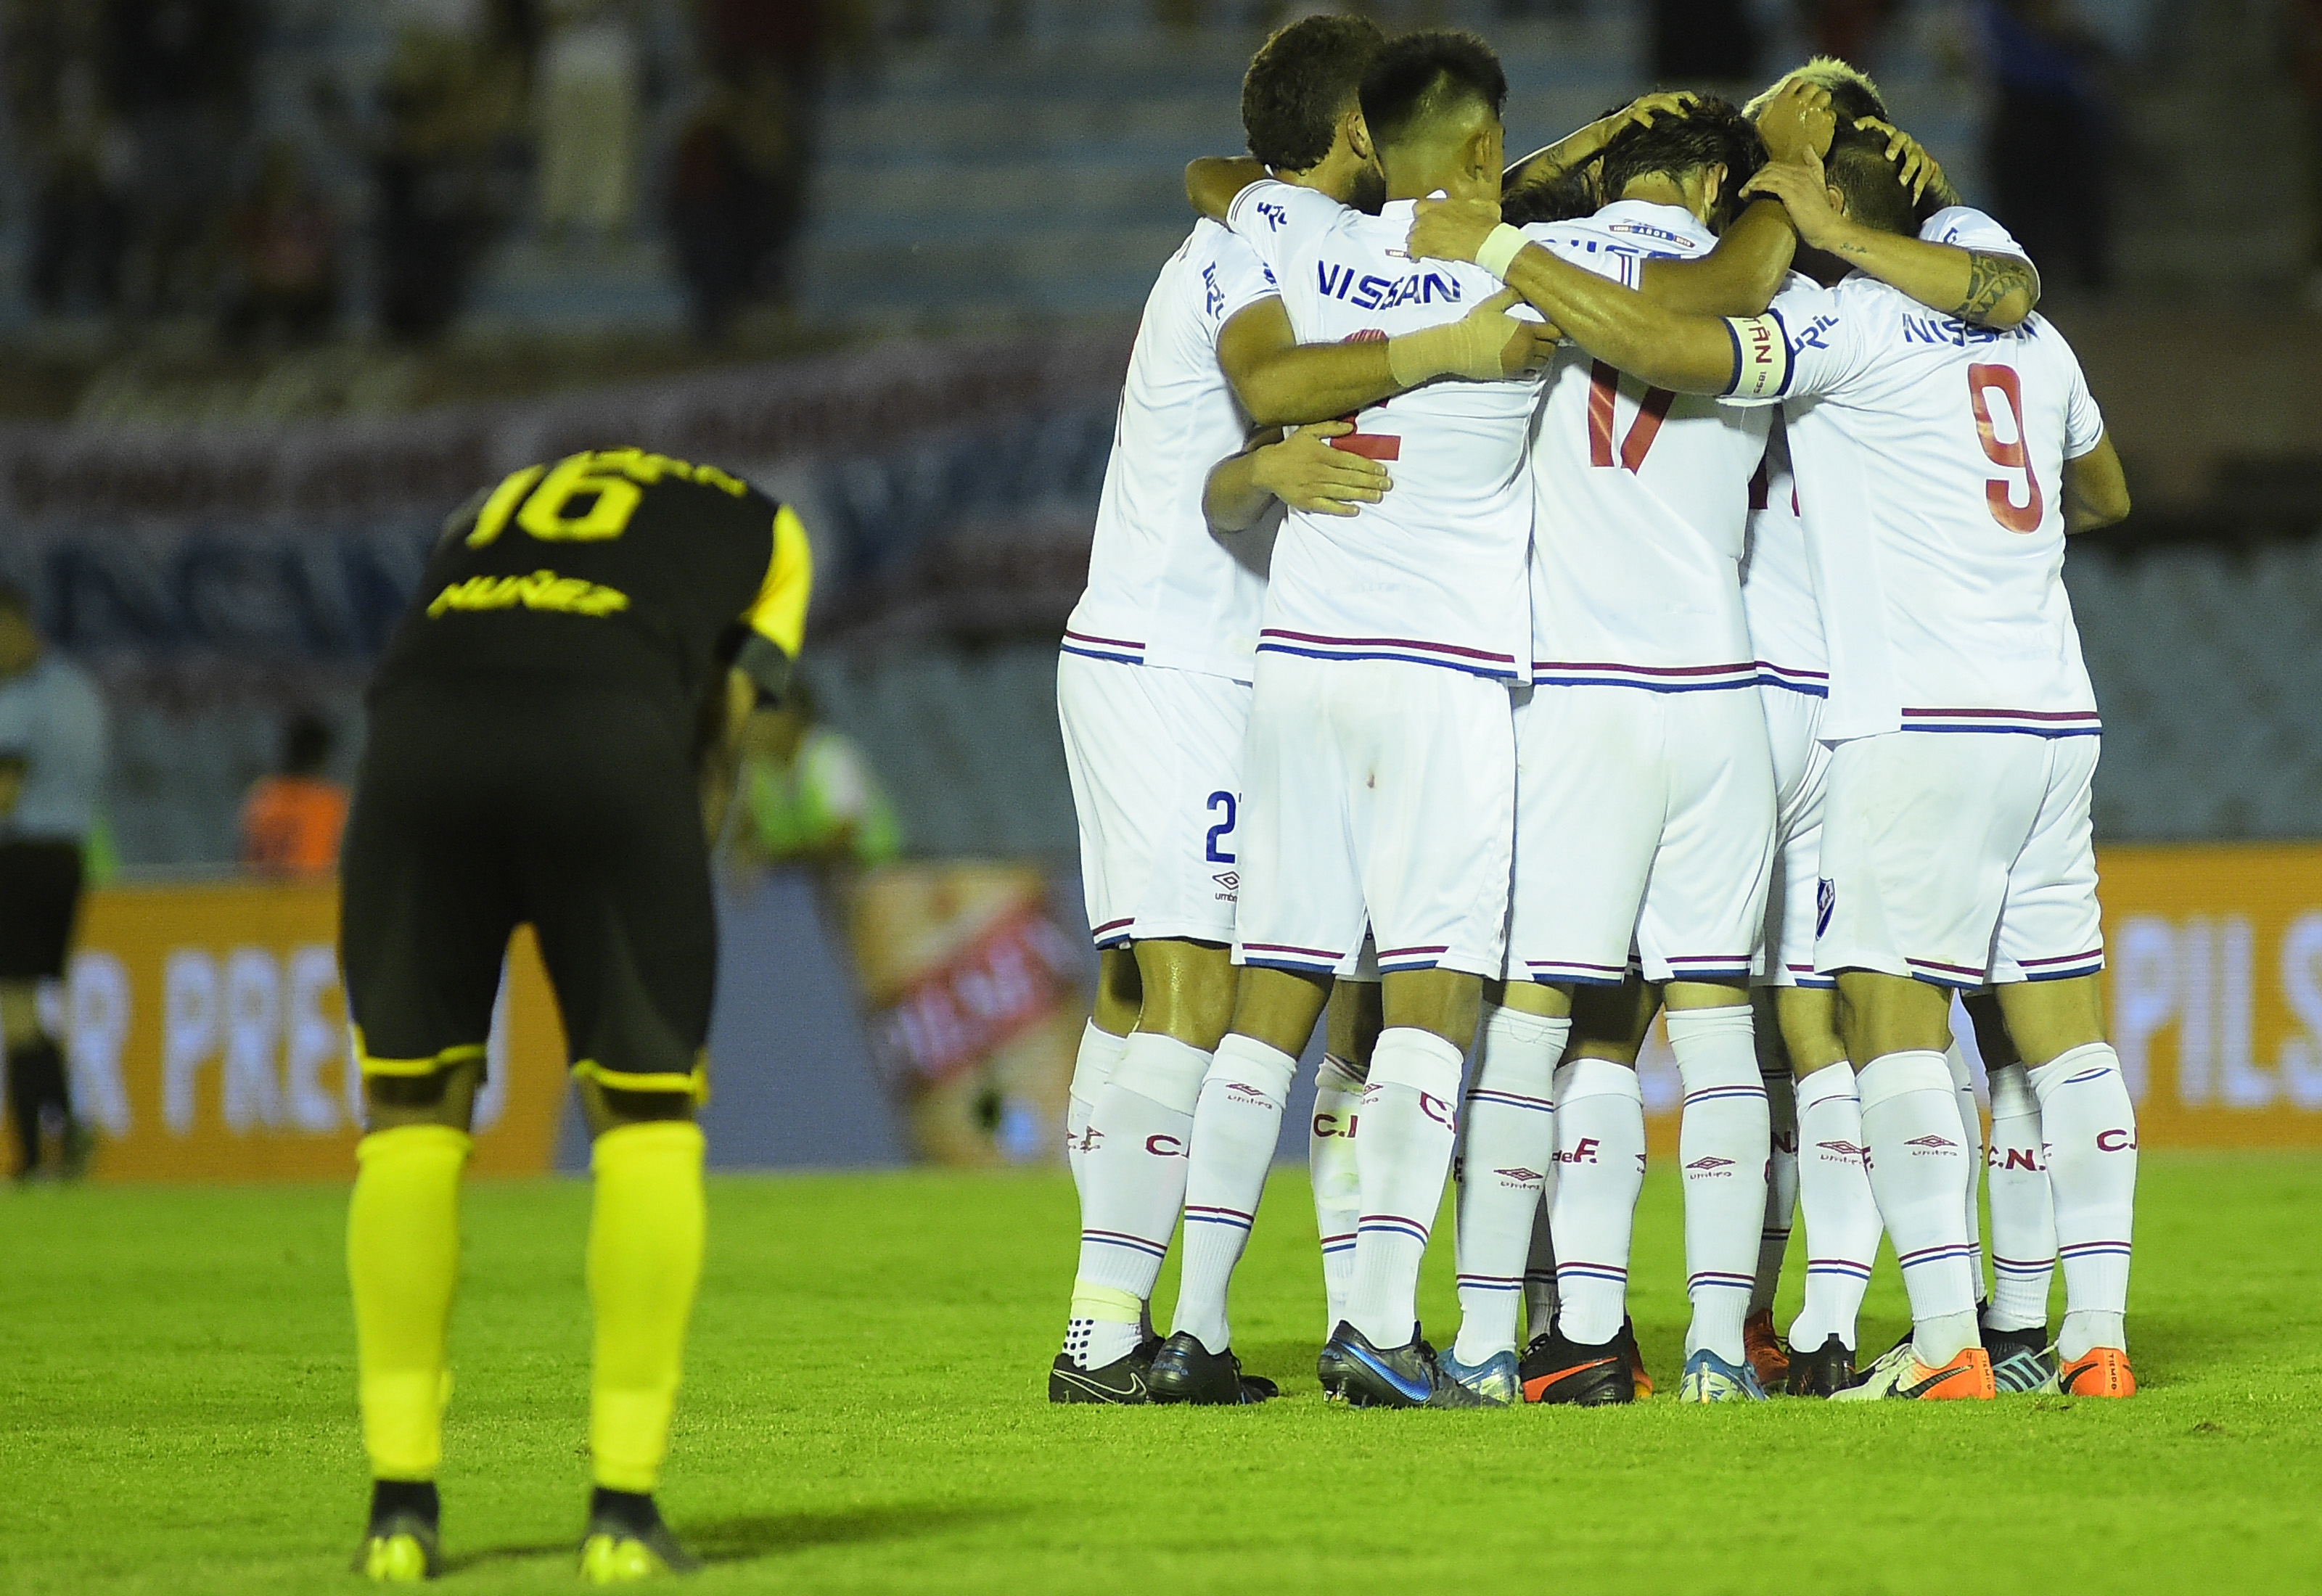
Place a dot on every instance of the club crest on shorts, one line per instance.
(1825, 900)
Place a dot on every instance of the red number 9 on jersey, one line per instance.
(1998, 492)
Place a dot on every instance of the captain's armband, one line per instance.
(1762, 357)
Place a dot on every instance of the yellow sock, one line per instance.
(645, 1263)
(403, 1261)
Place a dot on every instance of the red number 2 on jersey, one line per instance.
(1603, 384)
(1998, 492)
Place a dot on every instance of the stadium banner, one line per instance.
(206, 1029)
(2213, 991)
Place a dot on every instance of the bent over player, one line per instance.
(550, 737)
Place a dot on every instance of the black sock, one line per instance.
(631, 1509)
(406, 1496)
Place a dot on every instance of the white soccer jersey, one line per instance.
(1929, 456)
(1163, 587)
(1778, 593)
(1434, 573)
(1640, 498)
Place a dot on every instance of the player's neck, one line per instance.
(1656, 189)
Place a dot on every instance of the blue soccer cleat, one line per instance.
(1709, 1378)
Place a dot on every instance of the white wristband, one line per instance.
(1499, 250)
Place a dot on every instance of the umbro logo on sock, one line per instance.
(1521, 1177)
(1930, 1142)
(1709, 1165)
(1843, 1149)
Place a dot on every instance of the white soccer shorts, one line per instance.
(1643, 819)
(1154, 756)
(1786, 958)
(1379, 789)
(1962, 858)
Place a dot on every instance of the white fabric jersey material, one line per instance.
(1433, 573)
(1640, 497)
(1778, 591)
(1163, 587)
(1930, 456)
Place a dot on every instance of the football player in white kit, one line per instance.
(1381, 758)
(1153, 688)
(1944, 464)
(1645, 806)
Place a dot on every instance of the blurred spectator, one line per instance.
(1851, 30)
(283, 266)
(291, 822)
(178, 73)
(2303, 19)
(83, 162)
(739, 174)
(53, 750)
(585, 92)
(808, 796)
(1698, 41)
(441, 141)
(2048, 151)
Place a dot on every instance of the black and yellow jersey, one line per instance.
(616, 567)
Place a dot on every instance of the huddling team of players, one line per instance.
(1525, 600)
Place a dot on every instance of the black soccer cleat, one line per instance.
(627, 1540)
(1824, 1372)
(2020, 1359)
(399, 1546)
(1555, 1369)
(1185, 1370)
(1403, 1376)
(1330, 1369)
(1122, 1382)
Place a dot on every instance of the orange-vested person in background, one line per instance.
(291, 822)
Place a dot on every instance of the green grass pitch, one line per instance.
(864, 1412)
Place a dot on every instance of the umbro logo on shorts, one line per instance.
(1825, 900)
(1229, 879)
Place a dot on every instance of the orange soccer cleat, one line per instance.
(2099, 1371)
(1766, 1351)
(1901, 1375)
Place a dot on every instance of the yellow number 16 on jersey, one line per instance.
(541, 498)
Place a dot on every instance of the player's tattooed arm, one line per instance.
(1211, 182)
(1693, 354)
(1281, 382)
(1551, 161)
(1987, 287)
(2096, 490)
(1301, 470)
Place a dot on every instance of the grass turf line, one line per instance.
(863, 1412)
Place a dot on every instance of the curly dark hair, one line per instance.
(1711, 132)
(1424, 72)
(1300, 83)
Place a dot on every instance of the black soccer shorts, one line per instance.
(39, 897)
(485, 805)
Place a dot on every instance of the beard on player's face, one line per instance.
(1367, 192)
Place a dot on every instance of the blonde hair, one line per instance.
(1824, 71)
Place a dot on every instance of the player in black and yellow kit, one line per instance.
(552, 735)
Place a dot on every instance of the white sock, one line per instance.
(1235, 1127)
(1133, 1181)
(1600, 1168)
(1781, 1186)
(1507, 1145)
(1338, 1187)
(1092, 1066)
(1911, 1124)
(1834, 1199)
(1410, 1110)
(1723, 1147)
(2023, 1221)
(2090, 1126)
(1539, 1266)
(1971, 1114)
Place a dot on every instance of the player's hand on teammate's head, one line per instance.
(1798, 122)
(1801, 188)
(1662, 103)
(1451, 229)
(1306, 473)
(1914, 167)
